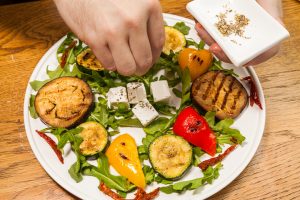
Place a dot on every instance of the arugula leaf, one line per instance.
(162, 180)
(74, 170)
(177, 92)
(216, 66)
(209, 175)
(31, 107)
(149, 174)
(191, 42)
(101, 172)
(72, 137)
(36, 85)
(131, 122)
(225, 134)
(99, 114)
(184, 29)
(164, 109)
(156, 126)
(197, 153)
(210, 118)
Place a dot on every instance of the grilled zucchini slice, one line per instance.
(88, 60)
(175, 40)
(94, 137)
(170, 156)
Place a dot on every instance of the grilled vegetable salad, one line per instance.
(177, 136)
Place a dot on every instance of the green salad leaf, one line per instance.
(182, 27)
(157, 125)
(149, 174)
(191, 42)
(119, 183)
(225, 134)
(209, 175)
(216, 66)
(31, 107)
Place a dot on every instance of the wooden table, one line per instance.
(28, 30)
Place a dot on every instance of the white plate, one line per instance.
(263, 30)
(251, 123)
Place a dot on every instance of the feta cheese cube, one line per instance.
(160, 90)
(136, 92)
(145, 112)
(117, 95)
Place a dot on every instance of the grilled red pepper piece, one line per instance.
(193, 127)
(52, 145)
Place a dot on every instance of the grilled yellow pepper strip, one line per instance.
(122, 154)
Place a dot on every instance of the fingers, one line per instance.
(264, 56)
(122, 56)
(105, 57)
(204, 35)
(156, 31)
(217, 51)
(141, 50)
(214, 47)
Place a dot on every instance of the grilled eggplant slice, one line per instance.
(88, 60)
(224, 94)
(170, 156)
(94, 137)
(63, 102)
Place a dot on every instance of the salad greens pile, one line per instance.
(112, 119)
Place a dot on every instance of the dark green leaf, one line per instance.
(210, 118)
(99, 114)
(74, 173)
(157, 125)
(149, 174)
(177, 92)
(209, 175)
(130, 123)
(31, 107)
(184, 29)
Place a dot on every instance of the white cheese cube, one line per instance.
(160, 91)
(145, 112)
(136, 92)
(117, 95)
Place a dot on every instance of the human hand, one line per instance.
(125, 35)
(273, 7)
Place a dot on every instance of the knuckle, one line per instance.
(110, 32)
(131, 22)
(90, 39)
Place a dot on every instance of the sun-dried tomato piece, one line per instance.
(211, 162)
(106, 190)
(52, 145)
(254, 98)
(142, 195)
(66, 53)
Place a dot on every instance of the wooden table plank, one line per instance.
(28, 30)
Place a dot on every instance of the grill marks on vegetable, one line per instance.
(123, 156)
(215, 91)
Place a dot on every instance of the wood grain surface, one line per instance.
(28, 30)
